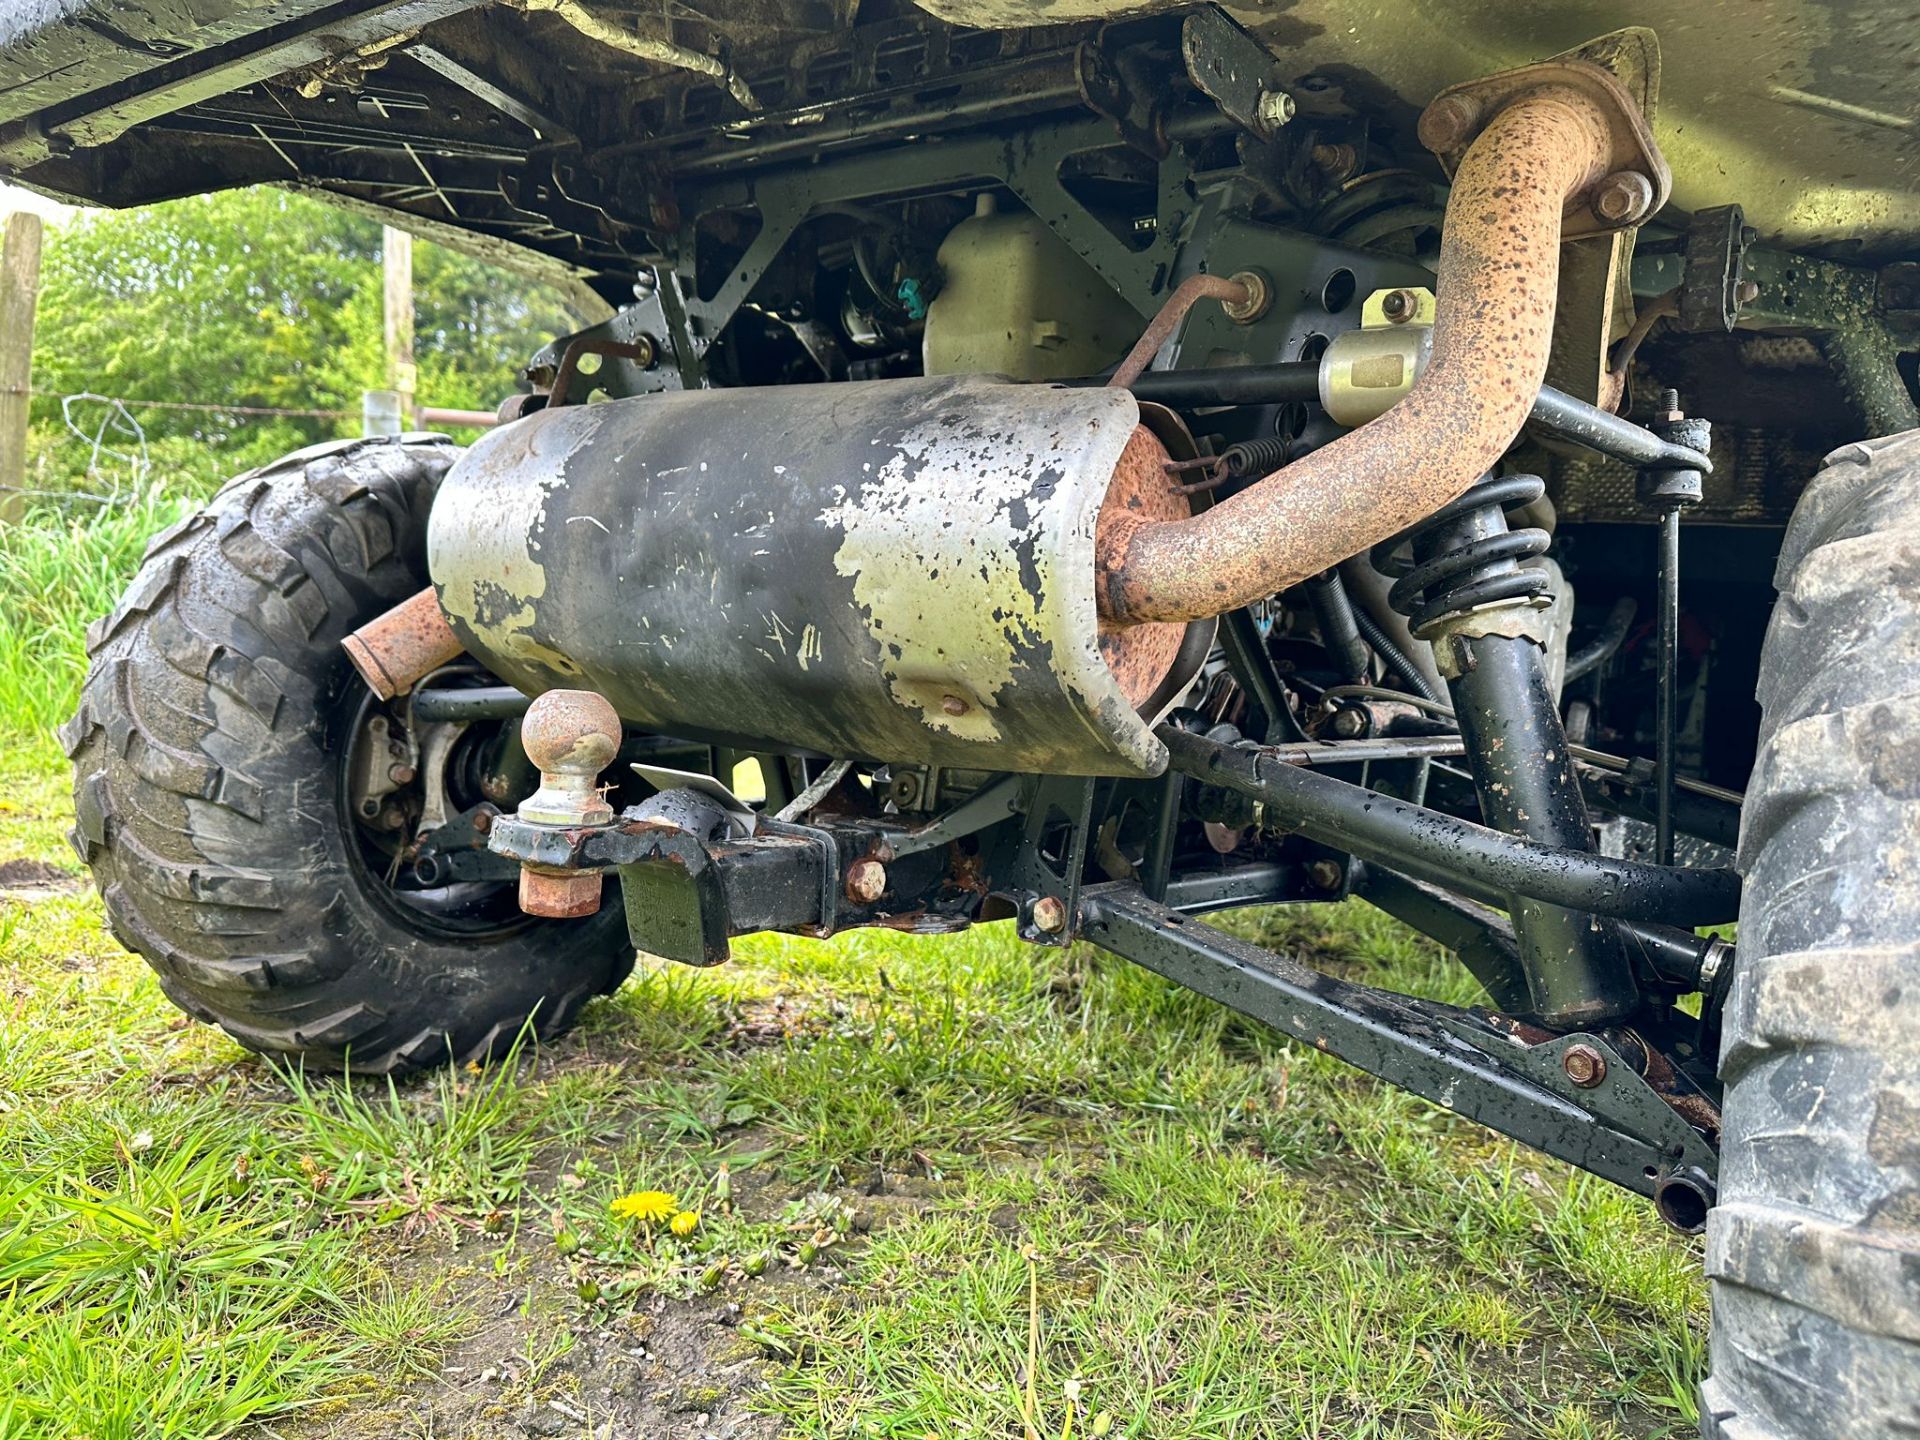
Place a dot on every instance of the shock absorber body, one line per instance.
(1469, 594)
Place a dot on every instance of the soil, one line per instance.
(35, 880)
(653, 1369)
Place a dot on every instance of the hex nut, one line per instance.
(1399, 306)
(1259, 298)
(1584, 1066)
(866, 881)
(1049, 914)
(1275, 108)
(559, 894)
(1448, 123)
(1623, 197)
(1326, 874)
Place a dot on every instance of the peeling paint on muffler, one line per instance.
(896, 570)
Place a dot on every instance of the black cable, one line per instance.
(1392, 656)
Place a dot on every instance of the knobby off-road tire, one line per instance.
(1814, 1250)
(209, 789)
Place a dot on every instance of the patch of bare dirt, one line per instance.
(35, 880)
(540, 1362)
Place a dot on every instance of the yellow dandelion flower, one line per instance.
(649, 1207)
(684, 1223)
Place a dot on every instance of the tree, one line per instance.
(262, 299)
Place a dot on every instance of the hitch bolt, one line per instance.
(866, 881)
(1049, 914)
(1585, 1066)
(559, 894)
(1623, 197)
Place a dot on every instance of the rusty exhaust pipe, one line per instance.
(404, 646)
(1498, 277)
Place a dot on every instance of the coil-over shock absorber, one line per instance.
(1469, 593)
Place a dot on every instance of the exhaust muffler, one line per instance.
(897, 570)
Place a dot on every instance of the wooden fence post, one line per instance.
(397, 248)
(19, 293)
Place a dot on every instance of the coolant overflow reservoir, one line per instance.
(1016, 301)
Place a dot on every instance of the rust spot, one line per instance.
(1140, 493)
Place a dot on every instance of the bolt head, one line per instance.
(1275, 108)
(1448, 123)
(1584, 1066)
(1050, 914)
(1623, 197)
(1399, 306)
(559, 894)
(400, 774)
(866, 881)
(1325, 874)
(954, 705)
(1349, 722)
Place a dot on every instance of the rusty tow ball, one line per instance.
(571, 735)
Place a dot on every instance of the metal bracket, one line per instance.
(1633, 148)
(1032, 878)
(1236, 72)
(1449, 1056)
(1617, 1094)
(1715, 270)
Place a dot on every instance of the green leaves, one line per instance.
(260, 299)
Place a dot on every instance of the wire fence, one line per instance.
(117, 450)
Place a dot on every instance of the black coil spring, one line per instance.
(1478, 574)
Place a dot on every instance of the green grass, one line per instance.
(58, 573)
(1225, 1234)
(1138, 1215)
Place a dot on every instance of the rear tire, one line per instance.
(1814, 1250)
(210, 788)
